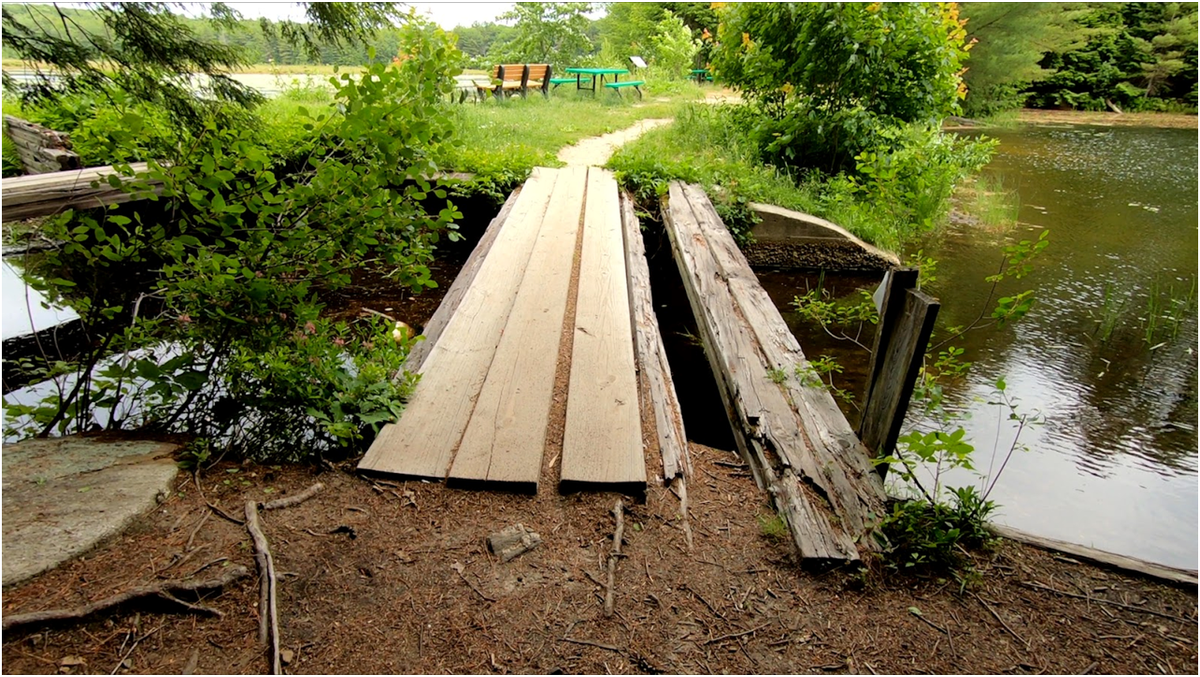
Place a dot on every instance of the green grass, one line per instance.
(707, 146)
(518, 134)
(991, 201)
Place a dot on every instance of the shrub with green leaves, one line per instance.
(227, 267)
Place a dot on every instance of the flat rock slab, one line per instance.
(62, 496)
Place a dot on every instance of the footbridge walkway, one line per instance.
(544, 364)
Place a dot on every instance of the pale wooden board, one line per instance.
(25, 197)
(763, 418)
(506, 436)
(602, 443)
(1185, 576)
(651, 354)
(422, 442)
(445, 310)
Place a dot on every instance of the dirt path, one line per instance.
(594, 152)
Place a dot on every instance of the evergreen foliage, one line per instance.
(1091, 56)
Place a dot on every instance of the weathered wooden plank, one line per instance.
(40, 149)
(897, 280)
(506, 435)
(883, 413)
(651, 353)
(422, 442)
(602, 443)
(450, 302)
(757, 406)
(1185, 576)
(25, 197)
(815, 439)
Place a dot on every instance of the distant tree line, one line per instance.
(1091, 56)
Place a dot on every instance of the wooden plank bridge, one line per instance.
(545, 363)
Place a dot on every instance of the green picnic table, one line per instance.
(701, 75)
(594, 73)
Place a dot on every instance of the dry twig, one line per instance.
(212, 506)
(1039, 586)
(268, 625)
(997, 617)
(619, 513)
(296, 499)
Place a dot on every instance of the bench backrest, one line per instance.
(510, 72)
(539, 71)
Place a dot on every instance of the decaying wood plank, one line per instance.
(512, 542)
(40, 149)
(26, 197)
(896, 366)
(815, 476)
(651, 354)
(506, 436)
(1185, 576)
(602, 440)
(450, 302)
(422, 442)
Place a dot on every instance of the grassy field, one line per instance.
(703, 146)
(517, 134)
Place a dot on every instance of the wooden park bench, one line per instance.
(617, 86)
(513, 78)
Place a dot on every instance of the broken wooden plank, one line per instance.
(905, 325)
(651, 354)
(26, 197)
(506, 436)
(422, 442)
(450, 302)
(823, 447)
(767, 425)
(41, 149)
(602, 443)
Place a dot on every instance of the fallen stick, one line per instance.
(220, 513)
(1039, 586)
(683, 511)
(136, 641)
(587, 642)
(289, 501)
(162, 590)
(997, 617)
(192, 536)
(735, 635)
(619, 513)
(268, 625)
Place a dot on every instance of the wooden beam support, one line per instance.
(653, 368)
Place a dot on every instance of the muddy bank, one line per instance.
(1079, 117)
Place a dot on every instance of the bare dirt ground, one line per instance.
(369, 585)
(1071, 117)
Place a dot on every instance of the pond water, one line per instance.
(1114, 466)
(27, 310)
